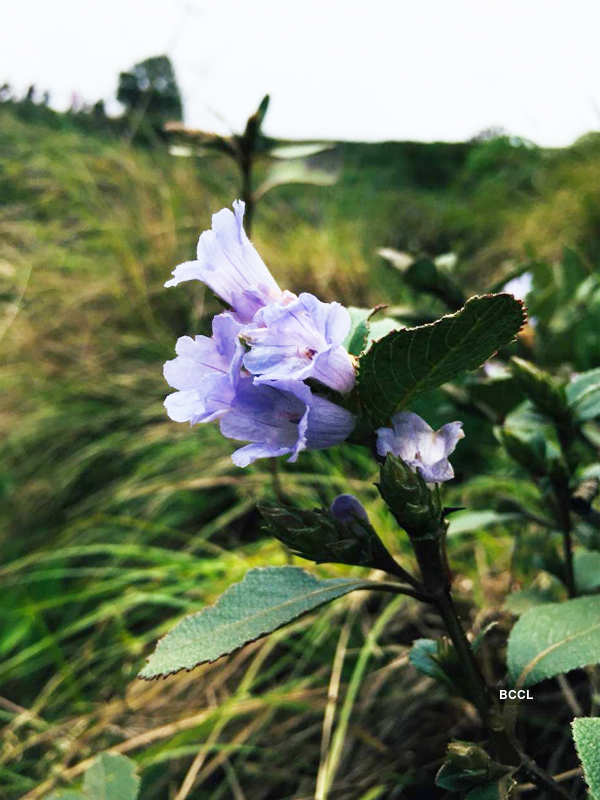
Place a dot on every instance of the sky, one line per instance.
(370, 70)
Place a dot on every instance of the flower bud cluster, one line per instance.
(416, 507)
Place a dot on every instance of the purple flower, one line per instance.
(419, 446)
(346, 509)
(280, 418)
(301, 340)
(229, 265)
(205, 372)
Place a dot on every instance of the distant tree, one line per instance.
(150, 95)
(99, 110)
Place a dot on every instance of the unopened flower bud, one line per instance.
(411, 501)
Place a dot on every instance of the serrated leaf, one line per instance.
(266, 599)
(111, 777)
(583, 395)
(554, 638)
(586, 565)
(408, 362)
(586, 733)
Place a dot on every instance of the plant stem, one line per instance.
(563, 502)
(436, 579)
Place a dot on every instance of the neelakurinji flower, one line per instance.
(228, 263)
(419, 446)
(205, 373)
(280, 418)
(265, 401)
(300, 340)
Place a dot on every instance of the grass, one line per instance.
(116, 522)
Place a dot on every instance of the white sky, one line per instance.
(371, 70)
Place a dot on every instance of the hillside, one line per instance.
(115, 521)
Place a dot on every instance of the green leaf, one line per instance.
(586, 565)
(554, 638)
(111, 777)
(266, 599)
(424, 655)
(472, 521)
(356, 341)
(583, 394)
(65, 794)
(408, 362)
(586, 733)
(468, 766)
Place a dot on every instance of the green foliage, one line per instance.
(583, 395)
(424, 275)
(586, 733)
(467, 766)
(554, 638)
(114, 520)
(356, 341)
(266, 599)
(110, 777)
(541, 389)
(473, 521)
(408, 362)
(428, 656)
(587, 571)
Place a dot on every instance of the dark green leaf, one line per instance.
(586, 733)
(583, 394)
(466, 766)
(554, 638)
(424, 656)
(263, 601)
(408, 362)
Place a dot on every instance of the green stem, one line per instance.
(563, 502)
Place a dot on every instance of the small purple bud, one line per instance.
(346, 508)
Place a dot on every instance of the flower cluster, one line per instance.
(250, 374)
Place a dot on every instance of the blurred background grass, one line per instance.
(115, 520)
